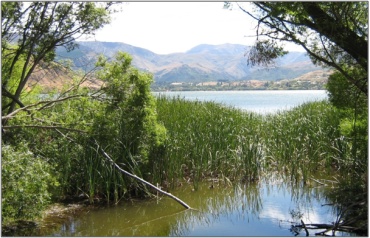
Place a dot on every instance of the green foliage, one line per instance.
(121, 118)
(190, 140)
(209, 140)
(304, 140)
(334, 34)
(133, 107)
(343, 94)
(36, 30)
(206, 139)
(26, 181)
(264, 52)
(353, 106)
(13, 80)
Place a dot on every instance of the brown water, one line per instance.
(261, 209)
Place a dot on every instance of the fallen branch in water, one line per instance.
(142, 180)
(328, 227)
(305, 228)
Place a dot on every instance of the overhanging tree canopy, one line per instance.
(334, 34)
(31, 32)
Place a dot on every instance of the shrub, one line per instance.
(25, 183)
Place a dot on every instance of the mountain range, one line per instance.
(199, 64)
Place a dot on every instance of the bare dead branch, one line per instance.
(141, 180)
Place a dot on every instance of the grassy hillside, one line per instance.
(201, 63)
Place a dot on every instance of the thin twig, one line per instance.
(43, 127)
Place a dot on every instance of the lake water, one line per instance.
(260, 101)
(267, 208)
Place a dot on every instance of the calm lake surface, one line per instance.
(267, 208)
(260, 101)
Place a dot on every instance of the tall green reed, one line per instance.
(303, 140)
(206, 139)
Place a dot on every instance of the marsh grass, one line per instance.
(304, 140)
(206, 139)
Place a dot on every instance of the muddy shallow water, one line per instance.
(261, 209)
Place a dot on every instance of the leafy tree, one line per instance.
(120, 117)
(133, 109)
(354, 117)
(345, 95)
(31, 32)
(334, 34)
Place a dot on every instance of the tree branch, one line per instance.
(7, 94)
(142, 180)
(43, 127)
(25, 108)
(342, 36)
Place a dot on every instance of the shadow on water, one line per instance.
(266, 208)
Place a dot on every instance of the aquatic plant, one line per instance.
(303, 140)
(206, 139)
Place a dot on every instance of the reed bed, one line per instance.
(206, 139)
(304, 140)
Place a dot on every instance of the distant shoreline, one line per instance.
(226, 90)
(295, 84)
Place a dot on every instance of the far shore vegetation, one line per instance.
(315, 80)
(225, 85)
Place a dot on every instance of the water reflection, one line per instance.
(267, 208)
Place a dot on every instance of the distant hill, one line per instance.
(200, 64)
